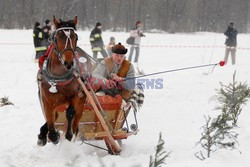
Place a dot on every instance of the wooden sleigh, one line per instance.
(59, 76)
(103, 119)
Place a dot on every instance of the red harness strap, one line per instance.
(42, 58)
(80, 65)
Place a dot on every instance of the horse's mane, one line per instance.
(69, 23)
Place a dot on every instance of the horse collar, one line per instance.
(58, 80)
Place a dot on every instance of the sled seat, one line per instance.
(89, 125)
(107, 102)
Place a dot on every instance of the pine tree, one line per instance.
(5, 101)
(160, 154)
(231, 98)
(219, 133)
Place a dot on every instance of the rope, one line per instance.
(173, 70)
(146, 46)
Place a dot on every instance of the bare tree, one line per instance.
(167, 15)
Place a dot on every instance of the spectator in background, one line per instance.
(136, 32)
(110, 45)
(38, 38)
(47, 32)
(231, 42)
(96, 41)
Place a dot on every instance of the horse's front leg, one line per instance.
(70, 114)
(53, 135)
(42, 137)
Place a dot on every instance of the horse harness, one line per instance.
(67, 33)
(44, 72)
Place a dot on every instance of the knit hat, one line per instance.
(112, 39)
(37, 24)
(47, 21)
(119, 49)
(98, 24)
(138, 22)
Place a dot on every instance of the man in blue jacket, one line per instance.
(231, 42)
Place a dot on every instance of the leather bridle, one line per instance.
(67, 32)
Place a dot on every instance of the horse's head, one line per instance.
(65, 39)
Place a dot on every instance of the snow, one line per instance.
(177, 110)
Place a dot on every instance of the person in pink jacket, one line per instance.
(137, 33)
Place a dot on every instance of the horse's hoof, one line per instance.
(41, 141)
(54, 137)
(69, 136)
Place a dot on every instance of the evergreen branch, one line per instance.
(160, 154)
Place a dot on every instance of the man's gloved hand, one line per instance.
(116, 77)
(110, 88)
(110, 84)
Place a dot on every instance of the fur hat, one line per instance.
(119, 49)
(98, 24)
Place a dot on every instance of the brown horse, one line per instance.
(59, 89)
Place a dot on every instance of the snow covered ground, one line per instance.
(177, 110)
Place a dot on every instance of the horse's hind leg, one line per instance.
(70, 114)
(76, 122)
(79, 105)
(42, 137)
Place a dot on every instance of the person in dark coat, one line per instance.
(38, 38)
(47, 32)
(96, 41)
(231, 42)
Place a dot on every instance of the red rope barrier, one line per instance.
(146, 46)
